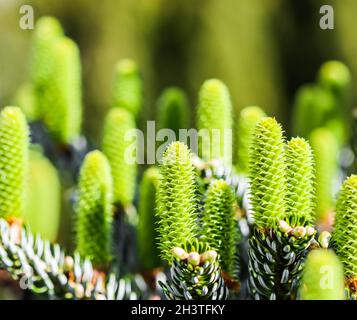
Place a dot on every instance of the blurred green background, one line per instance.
(262, 49)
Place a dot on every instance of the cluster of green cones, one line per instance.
(254, 216)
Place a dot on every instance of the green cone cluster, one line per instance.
(282, 194)
(43, 210)
(14, 157)
(177, 204)
(214, 114)
(344, 236)
(219, 224)
(94, 210)
(322, 277)
(325, 148)
(248, 118)
(127, 87)
(147, 234)
(173, 110)
(119, 123)
(195, 274)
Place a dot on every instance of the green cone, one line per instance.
(127, 87)
(322, 277)
(118, 123)
(325, 148)
(173, 110)
(43, 212)
(220, 226)
(214, 114)
(14, 158)
(344, 236)
(94, 210)
(177, 203)
(248, 118)
(62, 112)
(147, 234)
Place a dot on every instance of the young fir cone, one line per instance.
(300, 195)
(214, 118)
(325, 148)
(62, 110)
(353, 166)
(119, 123)
(344, 236)
(47, 31)
(312, 108)
(94, 210)
(281, 235)
(176, 202)
(335, 77)
(219, 226)
(173, 110)
(25, 98)
(147, 233)
(127, 87)
(322, 277)
(195, 274)
(248, 118)
(14, 158)
(43, 210)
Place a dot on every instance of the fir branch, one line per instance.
(177, 203)
(14, 157)
(94, 210)
(276, 260)
(48, 272)
(195, 274)
(248, 118)
(214, 114)
(118, 123)
(322, 277)
(127, 87)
